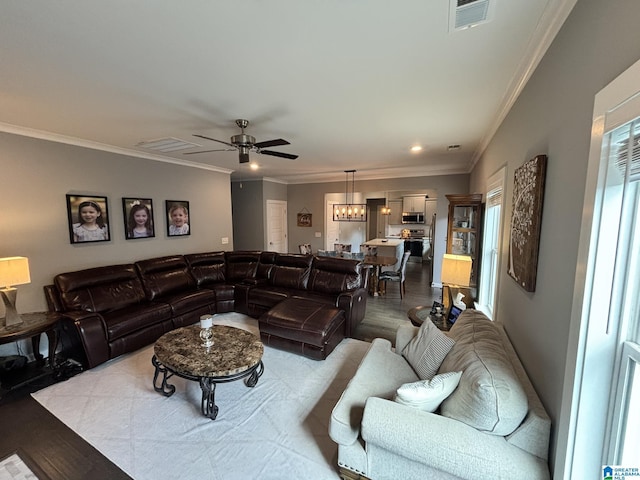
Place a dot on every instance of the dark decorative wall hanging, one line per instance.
(304, 218)
(526, 217)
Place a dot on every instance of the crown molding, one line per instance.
(377, 174)
(78, 142)
(548, 27)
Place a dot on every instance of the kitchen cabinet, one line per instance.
(395, 217)
(413, 203)
(464, 231)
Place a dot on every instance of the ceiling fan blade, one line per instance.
(279, 154)
(272, 143)
(219, 141)
(207, 151)
(244, 157)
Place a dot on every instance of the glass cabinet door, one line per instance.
(464, 234)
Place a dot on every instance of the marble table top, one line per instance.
(234, 351)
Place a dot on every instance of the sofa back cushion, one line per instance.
(207, 268)
(165, 275)
(241, 265)
(101, 289)
(331, 275)
(291, 271)
(267, 261)
(489, 396)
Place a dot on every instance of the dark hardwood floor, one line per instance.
(386, 313)
(55, 452)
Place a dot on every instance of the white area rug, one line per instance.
(14, 468)
(279, 429)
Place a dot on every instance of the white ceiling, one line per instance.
(352, 84)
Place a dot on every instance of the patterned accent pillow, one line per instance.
(427, 395)
(426, 351)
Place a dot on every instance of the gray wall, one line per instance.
(248, 215)
(36, 176)
(249, 199)
(552, 116)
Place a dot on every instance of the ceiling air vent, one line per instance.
(166, 145)
(469, 13)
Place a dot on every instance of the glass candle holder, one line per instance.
(206, 330)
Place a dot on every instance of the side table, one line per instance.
(418, 315)
(34, 324)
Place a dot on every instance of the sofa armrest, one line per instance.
(91, 330)
(354, 304)
(445, 444)
(255, 282)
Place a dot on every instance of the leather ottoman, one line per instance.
(303, 326)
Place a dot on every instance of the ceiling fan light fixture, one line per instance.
(349, 211)
(245, 143)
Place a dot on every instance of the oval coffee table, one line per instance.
(235, 354)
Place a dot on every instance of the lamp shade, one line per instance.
(456, 270)
(14, 271)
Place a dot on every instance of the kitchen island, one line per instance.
(389, 248)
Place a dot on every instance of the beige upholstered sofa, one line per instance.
(492, 426)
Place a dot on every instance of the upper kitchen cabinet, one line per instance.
(413, 204)
(464, 233)
(395, 217)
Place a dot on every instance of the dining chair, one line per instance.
(369, 250)
(305, 248)
(397, 276)
(342, 247)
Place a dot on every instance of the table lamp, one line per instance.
(456, 272)
(13, 271)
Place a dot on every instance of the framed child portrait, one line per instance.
(138, 218)
(177, 218)
(88, 218)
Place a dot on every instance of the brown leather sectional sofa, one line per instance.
(111, 310)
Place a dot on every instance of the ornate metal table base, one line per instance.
(207, 384)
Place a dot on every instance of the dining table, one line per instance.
(377, 261)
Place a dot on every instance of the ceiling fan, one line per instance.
(245, 143)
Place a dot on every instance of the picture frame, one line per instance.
(526, 220)
(454, 313)
(88, 218)
(138, 218)
(178, 222)
(435, 306)
(305, 220)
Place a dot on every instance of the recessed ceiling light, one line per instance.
(416, 148)
(254, 166)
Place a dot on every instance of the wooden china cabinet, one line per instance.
(464, 232)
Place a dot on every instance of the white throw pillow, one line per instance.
(427, 395)
(426, 351)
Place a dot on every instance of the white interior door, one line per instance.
(276, 226)
(332, 228)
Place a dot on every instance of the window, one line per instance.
(622, 147)
(599, 420)
(491, 244)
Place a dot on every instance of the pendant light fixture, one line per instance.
(349, 211)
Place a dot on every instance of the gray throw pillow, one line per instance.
(426, 351)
